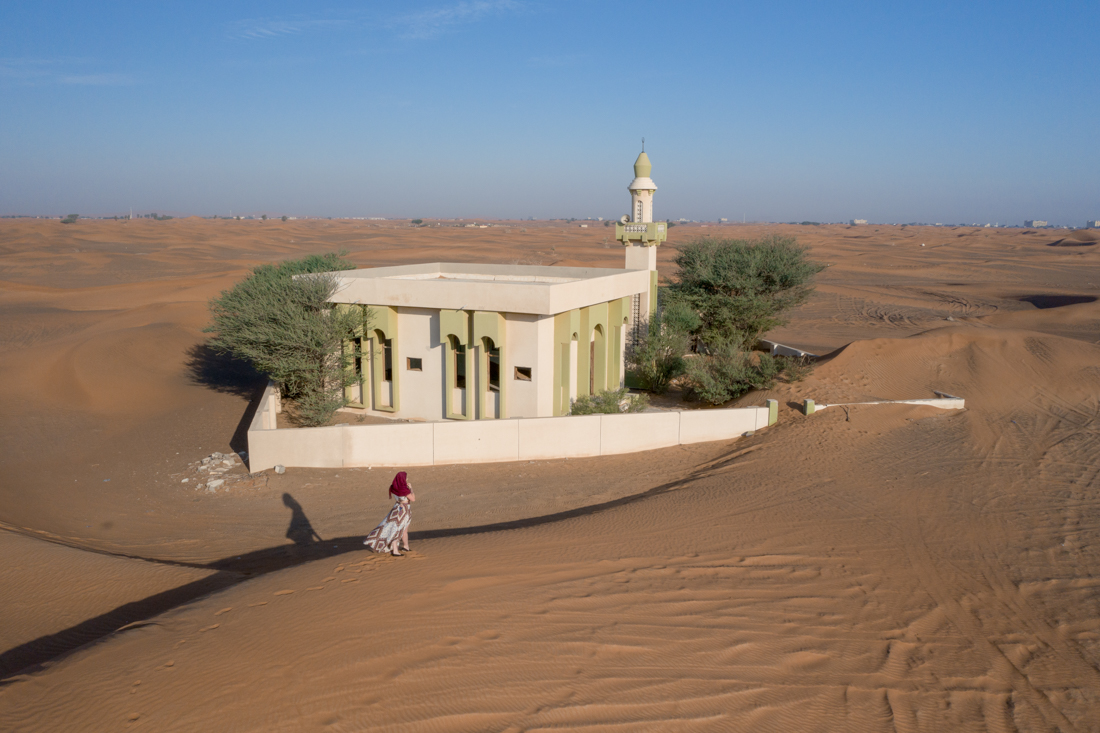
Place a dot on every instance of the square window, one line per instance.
(414, 365)
(523, 374)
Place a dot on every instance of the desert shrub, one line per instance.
(658, 357)
(740, 289)
(727, 371)
(610, 402)
(70, 219)
(796, 368)
(286, 328)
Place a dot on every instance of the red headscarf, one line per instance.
(400, 486)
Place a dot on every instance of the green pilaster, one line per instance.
(617, 315)
(489, 324)
(383, 327)
(566, 330)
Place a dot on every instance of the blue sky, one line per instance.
(937, 112)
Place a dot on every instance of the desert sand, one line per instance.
(883, 568)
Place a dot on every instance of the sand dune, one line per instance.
(887, 567)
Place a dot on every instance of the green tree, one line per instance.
(263, 216)
(740, 289)
(70, 219)
(284, 217)
(417, 222)
(286, 328)
(728, 370)
(658, 357)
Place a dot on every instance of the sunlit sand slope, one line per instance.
(878, 568)
(895, 568)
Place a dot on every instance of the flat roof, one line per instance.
(533, 289)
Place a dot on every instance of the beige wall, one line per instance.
(475, 441)
(630, 433)
(418, 337)
(559, 437)
(529, 342)
(544, 368)
(523, 350)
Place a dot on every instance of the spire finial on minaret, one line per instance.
(643, 144)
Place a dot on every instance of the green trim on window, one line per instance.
(455, 324)
(566, 327)
(383, 327)
(489, 325)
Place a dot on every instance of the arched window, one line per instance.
(459, 351)
(492, 357)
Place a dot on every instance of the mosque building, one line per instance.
(450, 341)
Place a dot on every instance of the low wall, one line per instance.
(486, 441)
(949, 402)
(778, 349)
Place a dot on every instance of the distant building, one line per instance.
(723, 221)
(858, 222)
(1092, 224)
(1035, 223)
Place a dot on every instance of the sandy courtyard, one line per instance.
(888, 568)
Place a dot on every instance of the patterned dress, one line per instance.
(385, 536)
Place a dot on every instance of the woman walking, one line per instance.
(394, 529)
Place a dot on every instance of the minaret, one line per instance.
(640, 234)
(641, 191)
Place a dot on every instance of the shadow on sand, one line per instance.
(305, 546)
(222, 373)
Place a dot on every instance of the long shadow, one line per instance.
(222, 373)
(1043, 302)
(31, 656)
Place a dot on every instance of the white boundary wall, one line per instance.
(486, 441)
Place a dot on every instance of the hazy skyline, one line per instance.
(509, 109)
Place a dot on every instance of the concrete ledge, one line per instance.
(487, 441)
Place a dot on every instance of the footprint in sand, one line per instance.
(211, 627)
(283, 592)
(224, 610)
(316, 587)
(261, 603)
